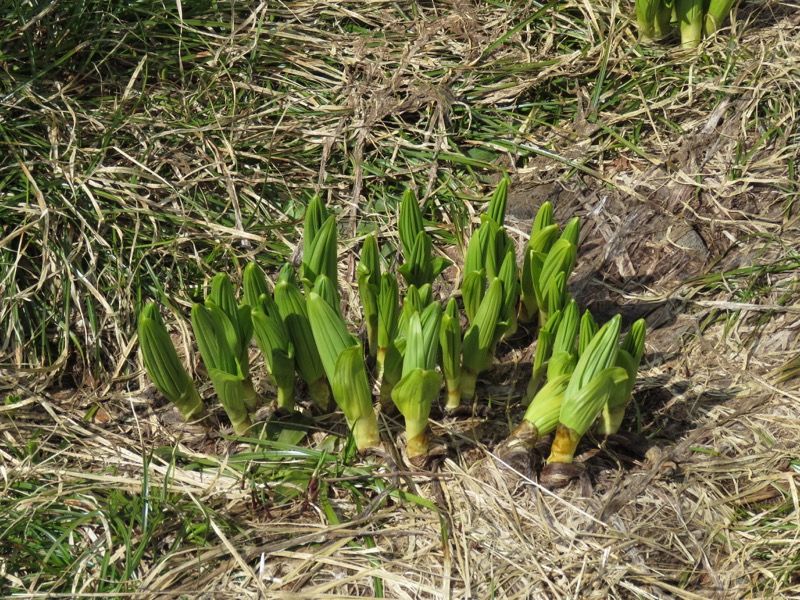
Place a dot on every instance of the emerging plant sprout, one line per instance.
(164, 367)
(368, 277)
(628, 357)
(595, 382)
(343, 362)
(419, 386)
(450, 342)
(276, 346)
(216, 340)
(420, 266)
(695, 19)
(480, 338)
(294, 313)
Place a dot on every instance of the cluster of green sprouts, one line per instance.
(416, 344)
(694, 19)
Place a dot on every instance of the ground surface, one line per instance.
(148, 149)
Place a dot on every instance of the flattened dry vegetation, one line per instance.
(147, 149)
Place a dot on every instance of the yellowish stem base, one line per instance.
(564, 445)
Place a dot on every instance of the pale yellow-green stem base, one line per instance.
(690, 22)
(453, 393)
(240, 419)
(365, 432)
(469, 379)
(710, 25)
(250, 397)
(512, 327)
(418, 445)
(242, 426)
(320, 393)
(191, 405)
(285, 400)
(564, 445)
(690, 38)
(543, 315)
(380, 362)
(611, 420)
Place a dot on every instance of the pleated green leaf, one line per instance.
(351, 391)
(320, 258)
(293, 311)
(223, 296)
(213, 338)
(473, 289)
(415, 346)
(545, 408)
(560, 259)
(572, 234)
(431, 320)
(418, 270)
(329, 331)
(228, 327)
(633, 343)
(567, 329)
(410, 223)
(230, 390)
(588, 329)
(480, 335)
(325, 288)
(628, 357)
(476, 254)
(542, 240)
(529, 281)
(425, 295)
(600, 354)
(388, 309)
(544, 219)
(368, 277)
(439, 264)
(316, 215)
(554, 296)
(544, 349)
(257, 293)
(450, 343)
(245, 332)
(498, 202)
(561, 363)
(510, 276)
(164, 367)
(276, 347)
(580, 408)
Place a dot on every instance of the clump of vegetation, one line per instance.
(164, 367)
(695, 19)
(587, 373)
